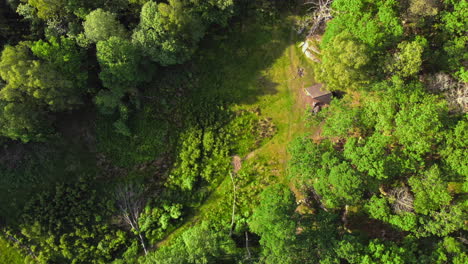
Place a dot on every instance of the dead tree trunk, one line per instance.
(321, 14)
(130, 203)
(249, 255)
(233, 204)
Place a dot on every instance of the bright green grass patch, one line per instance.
(9, 254)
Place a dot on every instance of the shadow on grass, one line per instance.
(231, 67)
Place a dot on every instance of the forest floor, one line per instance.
(279, 98)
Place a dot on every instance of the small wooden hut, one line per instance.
(318, 94)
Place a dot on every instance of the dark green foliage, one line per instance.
(377, 145)
(214, 11)
(379, 208)
(24, 121)
(418, 128)
(438, 222)
(374, 252)
(454, 23)
(382, 179)
(69, 10)
(157, 220)
(203, 151)
(384, 138)
(455, 151)
(408, 60)
(450, 249)
(327, 171)
(48, 9)
(147, 141)
(119, 60)
(39, 76)
(371, 155)
(245, 130)
(68, 224)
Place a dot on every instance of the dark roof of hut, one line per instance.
(316, 91)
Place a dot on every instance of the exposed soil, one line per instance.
(236, 163)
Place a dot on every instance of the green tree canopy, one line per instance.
(119, 60)
(51, 73)
(168, 33)
(344, 64)
(374, 23)
(101, 25)
(197, 245)
(214, 11)
(408, 60)
(272, 220)
(47, 9)
(66, 225)
(431, 191)
(455, 151)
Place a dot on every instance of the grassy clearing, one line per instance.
(254, 70)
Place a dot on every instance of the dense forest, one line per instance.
(178, 131)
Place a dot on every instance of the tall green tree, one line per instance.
(454, 23)
(100, 25)
(47, 9)
(51, 73)
(454, 152)
(119, 60)
(273, 221)
(344, 64)
(374, 23)
(431, 191)
(214, 11)
(197, 245)
(408, 60)
(168, 33)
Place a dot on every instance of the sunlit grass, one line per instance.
(274, 90)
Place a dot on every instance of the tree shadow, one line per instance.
(231, 67)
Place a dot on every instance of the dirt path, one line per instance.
(294, 89)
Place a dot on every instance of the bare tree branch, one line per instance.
(233, 204)
(321, 14)
(249, 255)
(130, 202)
